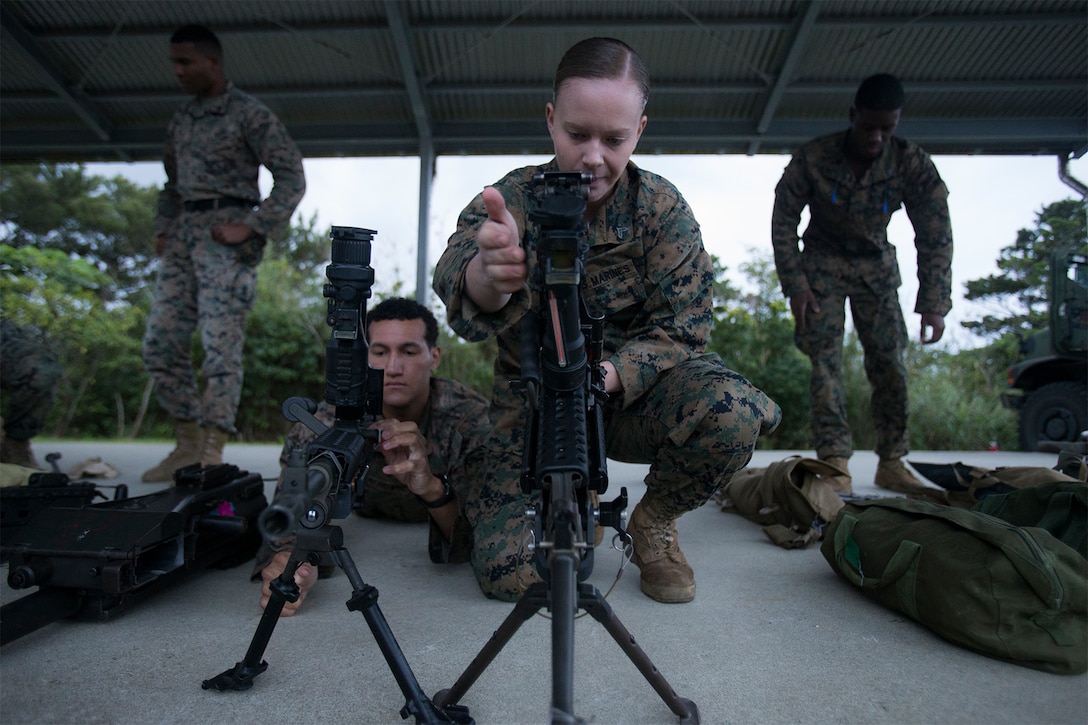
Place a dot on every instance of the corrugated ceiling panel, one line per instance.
(49, 113)
(134, 113)
(336, 58)
(100, 65)
(491, 61)
(19, 74)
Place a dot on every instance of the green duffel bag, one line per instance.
(1011, 592)
(1059, 507)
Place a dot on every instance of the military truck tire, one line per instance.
(1054, 412)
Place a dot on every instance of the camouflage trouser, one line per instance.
(29, 372)
(878, 320)
(211, 287)
(696, 427)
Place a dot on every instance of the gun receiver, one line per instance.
(97, 560)
(20, 504)
(561, 348)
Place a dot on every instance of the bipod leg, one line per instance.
(284, 589)
(591, 600)
(364, 598)
(564, 605)
(535, 597)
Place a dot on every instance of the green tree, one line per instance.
(471, 363)
(1021, 293)
(286, 331)
(284, 349)
(76, 264)
(753, 334)
(78, 257)
(302, 248)
(97, 344)
(1019, 290)
(106, 222)
(955, 400)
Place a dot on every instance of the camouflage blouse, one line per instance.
(215, 147)
(646, 272)
(849, 218)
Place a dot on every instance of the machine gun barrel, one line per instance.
(304, 497)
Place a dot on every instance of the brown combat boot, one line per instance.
(841, 484)
(190, 437)
(18, 453)
(212, 452)
(894, 476)
(665, 574)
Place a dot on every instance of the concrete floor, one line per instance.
(773, 636)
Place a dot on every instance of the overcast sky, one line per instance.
(991, 198)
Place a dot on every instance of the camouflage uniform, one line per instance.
(455, 426)
(214, 149)
(29, 372)
(695, 422)
(847, 254)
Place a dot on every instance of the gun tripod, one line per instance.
(564, 594)
(310, 545)
(589, 598)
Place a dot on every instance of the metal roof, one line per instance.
(91, 80)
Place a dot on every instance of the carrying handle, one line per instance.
(901, 562)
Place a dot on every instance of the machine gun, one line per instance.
(564, 459)
(43, 490)
(320, 481)
(318, 484)
(95, 561)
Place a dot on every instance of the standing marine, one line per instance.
(852, 182)
(210, 233)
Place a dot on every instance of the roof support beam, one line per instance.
(1071, 181)
(398, 25)
(510, 136)
(1017, 135)
(593, 25)
(382, 93)
(402, 41)
(802, 28)
(14, 31)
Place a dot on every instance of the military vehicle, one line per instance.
(1049, 386)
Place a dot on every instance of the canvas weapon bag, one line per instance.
(790, 499)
